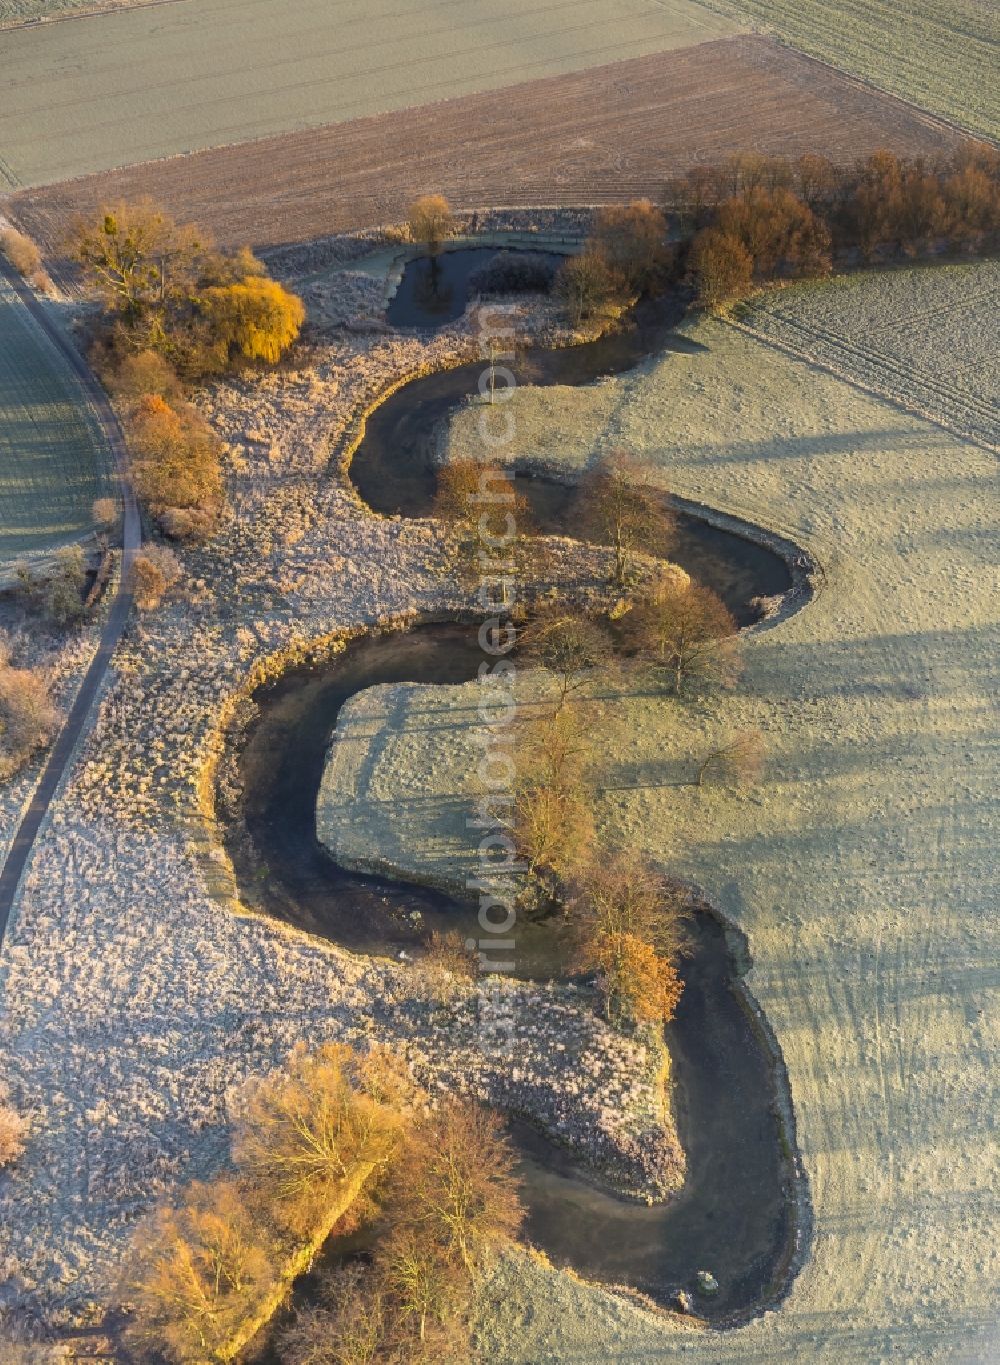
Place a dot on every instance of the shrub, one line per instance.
(147, 372)
(59, 592)
(13, 1131)
(635, 983)
(28, 717)
(446, 966)
(21, 251)
(155, 569)
(737, 761)
(625, 894)
(105, 512)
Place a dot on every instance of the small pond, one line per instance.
(436, 290)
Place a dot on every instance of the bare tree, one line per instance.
(617, 505)
(350, 1328)
(306, 1132)
(687, 632)
(626, 894)
(457, 1182)
(567, 643)
(587, 284)
(738, 761)
(552, 820)
(491, 523)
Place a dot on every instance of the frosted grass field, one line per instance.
(924, 336)
(52, 462)
(153, 82)
(938, 54)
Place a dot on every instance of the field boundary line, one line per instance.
(75, 726)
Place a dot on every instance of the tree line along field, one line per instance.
(938, 54)
(53, 463)
(168, 79)
(600, 136)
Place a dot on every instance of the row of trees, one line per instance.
(434, 1185)
(175, 311)
(760, 218)
(621, 918)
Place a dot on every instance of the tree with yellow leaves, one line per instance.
(198, 1270)
(254, 318)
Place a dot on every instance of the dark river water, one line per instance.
(436, 290)
(735, 1214)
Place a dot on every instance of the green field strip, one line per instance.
(53, 461)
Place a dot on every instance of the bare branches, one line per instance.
(617, 505)
(738, 761)
(306, 1134)
(568, 643)
(687, 633)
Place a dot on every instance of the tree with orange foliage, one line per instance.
(431, 221)
(253, 318)
(780, 232)
(196, 1273)
(175, 456)
(633, 240)
(721, 267)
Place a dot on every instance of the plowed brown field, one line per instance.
(607, 134)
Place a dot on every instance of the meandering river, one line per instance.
(735, 1214)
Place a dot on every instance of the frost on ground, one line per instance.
(925, 335)
(864, 869)
(134, 999)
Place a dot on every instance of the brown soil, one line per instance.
(607, 134)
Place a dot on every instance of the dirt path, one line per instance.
(79, 715)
